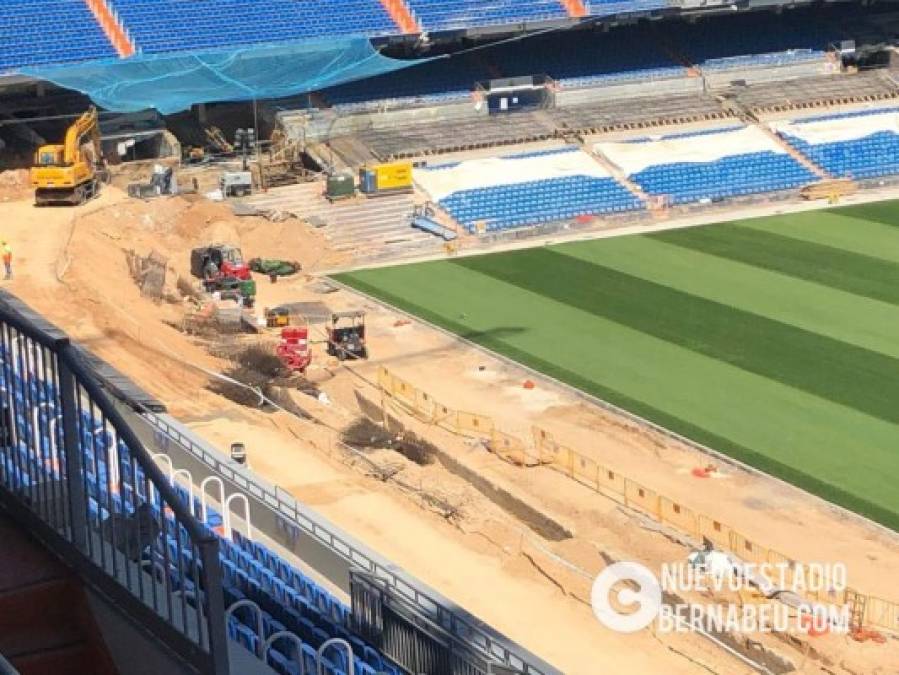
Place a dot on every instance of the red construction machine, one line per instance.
(218, 261)
(293, 350)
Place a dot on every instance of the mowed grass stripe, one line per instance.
(886, 212)
(835, 229)
(863, 275)
(858, 378)
(863, 322)
(838, 453)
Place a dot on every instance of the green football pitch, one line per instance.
(773, 340)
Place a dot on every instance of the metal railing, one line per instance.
(437, 609)
(74, 472)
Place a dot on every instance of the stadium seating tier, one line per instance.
(52, 31)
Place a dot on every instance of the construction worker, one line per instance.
(7, 259)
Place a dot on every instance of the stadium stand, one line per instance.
(172, 25)
(625, 54)
(115, 484)
(612, 7)
(707, 165)
(587, 57)
(438, 81)
(525, 189)
(754, 40)
(437, 15)
(75, 472)
(862, 144)
(52, 31)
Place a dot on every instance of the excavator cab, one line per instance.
(49, 155)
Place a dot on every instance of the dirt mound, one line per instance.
(14, 184)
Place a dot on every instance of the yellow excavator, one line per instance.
(70, 173)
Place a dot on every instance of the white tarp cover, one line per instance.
(439, 183)
(633, 157)
(853, 128)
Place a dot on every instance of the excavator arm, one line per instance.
(84, 126)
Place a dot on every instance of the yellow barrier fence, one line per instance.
(422, 405)
(880, 612)
(511, 448)
(587, 471)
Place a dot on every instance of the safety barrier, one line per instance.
(424, 407)
(544, 450)
(74, 473)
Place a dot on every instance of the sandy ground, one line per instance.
(70, 265)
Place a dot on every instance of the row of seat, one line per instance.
(751, 37)
(873, 156)
(734, 176)
(50, 31)
(175, 25)
(535, 202)
(457, 14)
(588, 58)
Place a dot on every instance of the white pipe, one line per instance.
(227, 515)
(190, 485)
(112, 458)
(53, 422)
(35, 424)
(259, 628)
(168, 462)
(203, 506)
(286, 634)
(335, 641)
(14, 432)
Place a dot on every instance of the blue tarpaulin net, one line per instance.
(173, 82)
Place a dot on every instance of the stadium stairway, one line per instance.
(804, 160)
(621, 177)
(46, 627)
(113, 28)
(402, 16)
(359, 225)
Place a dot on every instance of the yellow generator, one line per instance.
(380, 179)
(70, 173)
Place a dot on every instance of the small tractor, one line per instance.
(218, 261)
(277, 317)
(293, 350)
(222, 269)
(346, 335)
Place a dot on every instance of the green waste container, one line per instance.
(340, 186)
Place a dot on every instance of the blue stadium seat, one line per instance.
(175, 25)
(754, 39)
(290, 599)
(437, 15)
(50, 31)
(734, 176)
(871, 156)
(536, 202)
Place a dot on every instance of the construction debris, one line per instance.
(148, 272)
